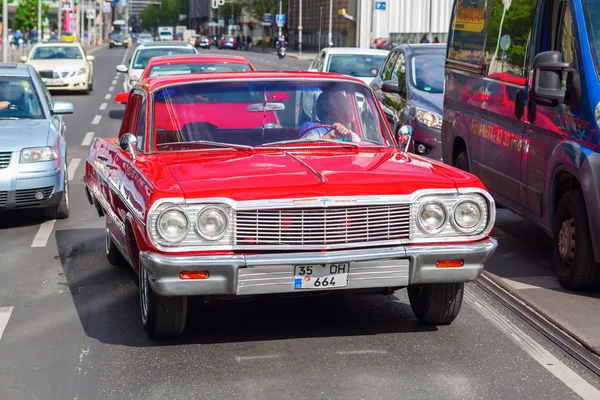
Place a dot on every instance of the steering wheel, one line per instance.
(312, 128)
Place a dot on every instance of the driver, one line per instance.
(8, 96)
(334, 113)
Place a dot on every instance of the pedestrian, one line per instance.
(26, 37)
(249, 39)
(238, 42)
(17, 37)
(424, 39)
(34, 35)
(436, 40)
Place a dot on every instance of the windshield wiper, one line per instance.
(209, 143)
(308, 142)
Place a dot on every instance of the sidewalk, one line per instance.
(293, 54)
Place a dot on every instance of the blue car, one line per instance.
(522, 112)
(33, 150)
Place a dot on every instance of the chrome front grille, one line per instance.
(27, 197)
(4, 160)
(315, 227)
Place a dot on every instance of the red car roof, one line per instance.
(157, 82)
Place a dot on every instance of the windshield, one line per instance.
(18, 99)
(142, 57)
(591, 10)
(57, 52)
(266, 114)
(165, 33)
(192, 68)
(117, 37)
(427, 72)
(358, 65)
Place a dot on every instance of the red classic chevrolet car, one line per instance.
(255, 183)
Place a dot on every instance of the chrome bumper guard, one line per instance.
(274, 273)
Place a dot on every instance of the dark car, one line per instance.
(118, 40)
(410, 87)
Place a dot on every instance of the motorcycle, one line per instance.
(281, 51)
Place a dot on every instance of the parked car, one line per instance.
(228, 42)
(361, 63)
(182, 206)
(33, 150)
(203, 42)
(521, 112)
(143, 54)
(118, 40)
(410, 87)
(144, 38)
(62, 66)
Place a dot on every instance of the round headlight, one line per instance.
(172, 225)
(212, 223)
(432, 216)
(467, 215)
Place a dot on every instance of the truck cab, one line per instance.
(522, 112)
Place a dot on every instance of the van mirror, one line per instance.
(546, 79)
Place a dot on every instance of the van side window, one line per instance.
(467, 31)
(388, 68)
(509, 35)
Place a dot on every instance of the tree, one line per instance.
(166, 15)
(26, 14)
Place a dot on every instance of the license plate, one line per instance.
(54, 82)
(321, 276)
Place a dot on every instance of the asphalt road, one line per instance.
(70, 329)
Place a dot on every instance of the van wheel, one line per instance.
(436, 303)
(162, 317)
(574, 260)
(462, 161)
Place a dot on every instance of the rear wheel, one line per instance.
(436, 303)
(574, 260)
(162, 317)
(113, 255)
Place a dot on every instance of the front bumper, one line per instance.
(75, 83)
(274, 273)
(19, 185)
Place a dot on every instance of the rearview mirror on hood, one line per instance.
(62, 107)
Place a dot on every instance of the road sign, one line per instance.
(268, 17)
(182, 17)
(280, 19)
(67, 5)
(380, 5)
(215, 3)
(221, 2)
(91, 13)
(505, 42)
(267, 24)
(221, 22)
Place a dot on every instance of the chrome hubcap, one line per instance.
(144, 293)
(566, 240)
(66, 189)
(107, 240)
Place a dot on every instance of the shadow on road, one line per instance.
(106, 300)
(19, 218)
(116, 114)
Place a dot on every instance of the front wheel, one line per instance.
(436, 303)
(574, 260)
(462, 161)
(162, 317)
(63, 209)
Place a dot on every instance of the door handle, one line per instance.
(111, 166)
(102, 158)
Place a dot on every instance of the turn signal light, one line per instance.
(450, 263)
(187, 275)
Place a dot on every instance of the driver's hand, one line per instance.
(339, 131)
(4, 105)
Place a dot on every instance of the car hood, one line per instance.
(35, 133)
(255, 175)
(61, 65)
(427, 101)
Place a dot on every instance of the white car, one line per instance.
(363, 64)
(144, 38)
(62, 66)
(143, 53)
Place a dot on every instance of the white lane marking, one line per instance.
(5, 313)
(96, 119)
(107, 97)
(110, 89)
(532, 282)
(556, 367)
(72, 168)
(87, 140)
(258, 357)
(43, 234)
(296, 68)
(117, 77)
(103, 106)
(125, 55)
(351, 352)
(114, 82)
(285, 65)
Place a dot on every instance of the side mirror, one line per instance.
(546, 79)
(91, 58)
(480, 97)
(280, 96)
(404, 136)
(122, 97)
(390, 87)
(61, 108)
(128, 144)
(23, 59)
(122, 68)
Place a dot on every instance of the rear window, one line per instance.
(358, 65)
(142, 57)
(178, 69)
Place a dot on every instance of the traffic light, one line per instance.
(251, 25)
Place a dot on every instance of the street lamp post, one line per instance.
(299, 29)
(330, 38)
(39, 23)
(280, 12)
(430, 21)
